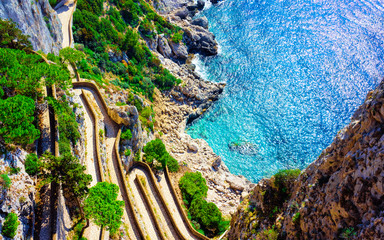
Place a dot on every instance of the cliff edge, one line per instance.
(339, 196)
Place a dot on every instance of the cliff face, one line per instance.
(36, 19)
(340, 195)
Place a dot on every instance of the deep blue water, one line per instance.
(295, 72)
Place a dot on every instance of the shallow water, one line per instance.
(295, 73)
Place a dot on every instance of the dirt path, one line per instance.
(90, 161)
(113, 174)
(65, 12)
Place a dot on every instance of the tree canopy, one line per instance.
(22, 73)
(193, 185)
(67, 170)
(71, 55)
(16, 120)
(155, 149)
(206, 216)
(103, 207)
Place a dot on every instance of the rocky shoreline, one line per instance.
(175, 109)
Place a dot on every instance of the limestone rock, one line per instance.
(163, 47)
(166, 6)
(216, 164)
(182, 13)
(202, 22)
(200, 4)
(193, 147)
(179, 50)
(29, 17)
(200, 40)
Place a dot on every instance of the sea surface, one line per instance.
(295, 71)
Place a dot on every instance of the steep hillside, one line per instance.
(36, 19)
(340, 195)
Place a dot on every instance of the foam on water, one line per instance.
(295, 72)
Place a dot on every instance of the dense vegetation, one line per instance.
(103, 207)
(156, 154)
(23, 75)
(206, 216)
(66, 170)
(10, 225)
(115, 30)
(16, 120)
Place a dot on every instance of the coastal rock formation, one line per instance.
(173, 110)
(186, 102)
(340, 195)
(36, 19)
(197, 37)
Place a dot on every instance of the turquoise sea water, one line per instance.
(295, 72)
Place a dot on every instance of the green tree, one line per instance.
(103, 207)
(32, 164)
(206, 214)
(22, 73)
(66, 170)
(12, 37)
(16, 117)
(193, 185)
(71, 55)
(155, 149)
(10, 225)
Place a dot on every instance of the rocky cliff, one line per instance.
(339, 196)
(36, 19)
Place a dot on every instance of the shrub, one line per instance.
(296, 218)
(193, 185)
(348, 233)
(14, 170)
(9, 33)
(268, 234)
(5, 181)
(173, 165)
(177, 37)
(126, 135)
(31, 164)
(127, 152)
(283, 180)
(10, 225)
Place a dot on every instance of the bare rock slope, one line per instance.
(36, 19)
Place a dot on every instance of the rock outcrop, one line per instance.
(36, 19)
(19, 197)
(340, 195)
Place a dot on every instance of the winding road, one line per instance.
(151, 211)
(65, 10)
